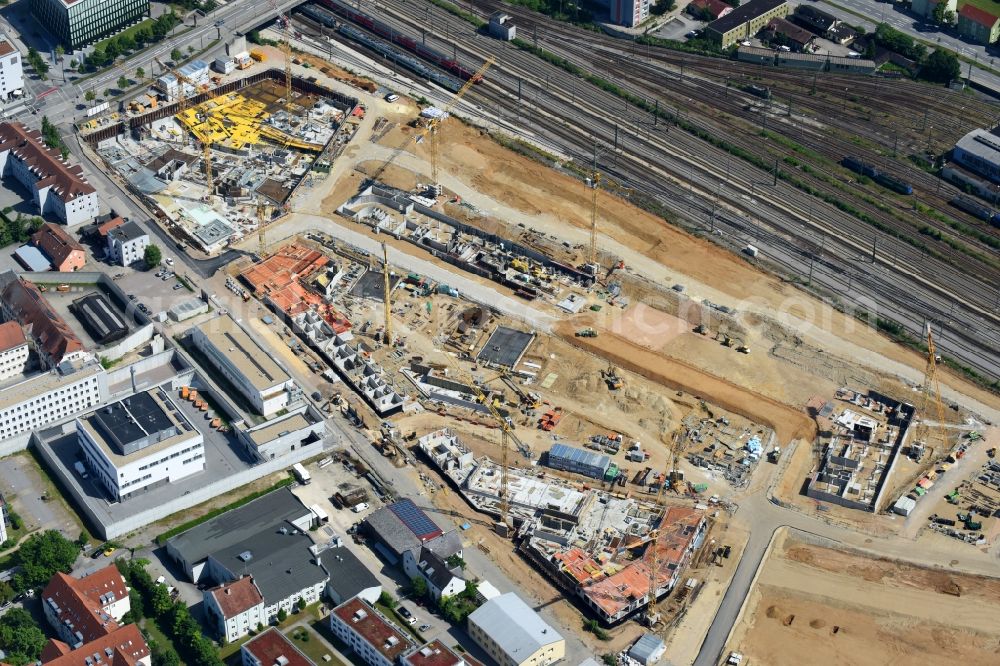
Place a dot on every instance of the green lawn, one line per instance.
(127, 31)
(313, 647)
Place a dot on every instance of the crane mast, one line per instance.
(387, 303)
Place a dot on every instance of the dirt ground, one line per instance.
(823, 606)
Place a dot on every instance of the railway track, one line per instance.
(645, 146)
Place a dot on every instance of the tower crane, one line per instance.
(431, 127)
(387, 303)
(594, 183)
(673, 477)
(261, 231)
(206, 144)
(286, 50)
(932, 391)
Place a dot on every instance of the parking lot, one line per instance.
(157, 289)
(23, 487)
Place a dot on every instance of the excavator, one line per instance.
(612, 378)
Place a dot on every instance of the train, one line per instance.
(885, 180)
(760, 91)
(396, 37)
(977, 209)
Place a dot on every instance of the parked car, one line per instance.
(404, 613)
(358, 508)
(391, 97)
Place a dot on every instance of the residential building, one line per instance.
(376, 640)
(127, 243)
(124, 646)
(82, 610)
(436, 653)
(513, 634)
(272, 648)
(54, 340)
(781, 31)
(64, 252)
(51, 396)
(709, 10)
(979, 150)
(400, 530)
(628, 13)
(236, 607)
(250, 369)
(443, 579)
(57, 188)
(13, 350)
(140, 443)
(106, 223)
(745, 21)
(349, 577)
(11, 73)
(77, 23)
(3, 520)
(925, 8)
(978, 24)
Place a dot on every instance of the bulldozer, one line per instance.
(724, 339)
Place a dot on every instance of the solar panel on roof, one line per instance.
(415, 519)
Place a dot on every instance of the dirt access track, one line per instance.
(788, 423)
(818, 605)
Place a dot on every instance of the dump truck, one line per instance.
(586, 333)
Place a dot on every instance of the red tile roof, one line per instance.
(977, 15)
(6, 47)
(82, 602)
(103, 229)
(715, 7)
(437, 653)
(237, 597)
(11, 336)
(43, 323)
(64, 251)
(270, 646)
(46, 163)
(123, 647)
(371, 626)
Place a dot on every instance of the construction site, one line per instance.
(220, 162)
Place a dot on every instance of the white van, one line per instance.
(391, 97)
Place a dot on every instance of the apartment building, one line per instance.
(628, 13)
(124, 646)
(81, 610)
(127, 244)
(745, 21)
(14, 350)
(372, 637)
(64, 252)
(236, 608)
(54, 340)
(272, 648)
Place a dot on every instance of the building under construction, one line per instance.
(218, 162)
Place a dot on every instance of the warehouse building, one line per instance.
(349, 577)
(56, 188)
(579, 461)
(250, 369)
(140, 443)
(400, 530)
(513, 634)
(745, 21)
(979, 150)
(76, 23)
(99, 318)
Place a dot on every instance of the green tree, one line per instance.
(938, 14)
(60, 51)
(418, 586)
(176, 55)
(941, 66)
(41, 556)
(20, 637)
(282, 615)
(73, 64)
(90, 96)
(127, 42)
(387, 600)
(190, 50)
(301, 604)
(122, 82)
(456, 561)
(6, 592)
(113, 48)
(152, 256)
(140, 73)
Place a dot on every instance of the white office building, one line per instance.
(13, 350)
(127, 244)
(139, 443)
(50, 397)
(250, 368)
(11, 74)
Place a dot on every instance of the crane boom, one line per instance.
(387, 303)
(432, 126)
(286, 50)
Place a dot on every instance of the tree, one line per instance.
(301, 603)
(418, 586)
(73, 64)
(941, 66)
(387, 600)
(938, 14)
(41, 556)
(113, 48)
(152, 256)
(122, 82)
(90, 96)
(455, 560)
(140, 73)
(20, 637)
(6, 591)
(282, 615)
(60, 51)
(176, 55)
(127, 42)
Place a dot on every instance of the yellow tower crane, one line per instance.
(206, 144)
(261, 228)
(595, 185)
(286, 50)
(932, 393)
(432, 126)
(387, 302)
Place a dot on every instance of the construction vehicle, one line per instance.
(519, 264)
(701, 329)
(586, 333)
(992, 453)
(611, 378)
(529, 400)
(743, 348)
(724, 339)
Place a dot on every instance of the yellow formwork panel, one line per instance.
(229, 120)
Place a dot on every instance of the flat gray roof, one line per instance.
(517, 629)
(981, 143)
(348, 576)
(256, 363)
(273, 429)
(505, 346)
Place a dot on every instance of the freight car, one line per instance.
(396, 37)
(979, 210)
(885, 180)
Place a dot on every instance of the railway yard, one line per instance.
(639, 338)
